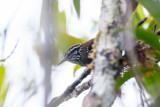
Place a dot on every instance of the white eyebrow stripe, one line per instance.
(74, 48)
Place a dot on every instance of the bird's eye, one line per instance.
(75, 53)
(73, 57)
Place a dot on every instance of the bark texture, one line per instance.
(114, 16)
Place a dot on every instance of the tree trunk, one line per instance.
(114, 16)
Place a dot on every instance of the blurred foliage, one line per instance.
(76, 68)
(3, 86)
(66, 41)
(2, 60)
(157, 102)
(150, 73)
(157, 54)
(148, 36)
(63, 41)
(77, 6)
(138, 15)
(149, 70)
(151, 80)
(153, 7)
(121, 80)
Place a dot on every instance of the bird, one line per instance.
(78, 54)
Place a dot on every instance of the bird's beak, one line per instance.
(61, 62)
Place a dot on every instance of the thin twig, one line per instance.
(141, 97)
(77, 91)
(58, 100)
(2, 60)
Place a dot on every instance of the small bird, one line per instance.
(78, 54)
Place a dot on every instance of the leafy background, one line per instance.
(21, 75)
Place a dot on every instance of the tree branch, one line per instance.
(114, 15)
(79, 90)
(68, 93)
(47, 48)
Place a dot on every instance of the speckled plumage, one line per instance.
(78, 54)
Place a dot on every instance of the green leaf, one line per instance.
(2, 75)
(153, 7)
(62, 21)
(77, 6)
(120, 81)
(2, 60)
(140, 11)
(65, 41)
(3, 94)
(151, 23)
(157, 102)
(157, 55)
(59, 19)
(3, 87)
(138, 15)
(76, 68)
(148, 37)
(152, 82)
